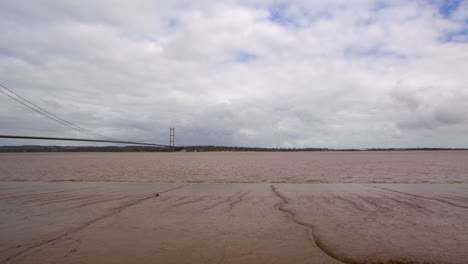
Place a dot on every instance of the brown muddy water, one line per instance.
(240, 167)
(397, 207)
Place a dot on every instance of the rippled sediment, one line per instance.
(75, 222)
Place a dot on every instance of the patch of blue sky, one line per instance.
(376, 52)
(460, 36)
(5, 53)
(381, 5)
(244, 57)
(171, 23)
(448, 7)
(377, 7)
(278, 14)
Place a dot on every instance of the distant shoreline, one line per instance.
(36, 148)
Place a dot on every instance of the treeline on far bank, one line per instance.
(33, 148)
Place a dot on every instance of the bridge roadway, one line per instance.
(81, 139)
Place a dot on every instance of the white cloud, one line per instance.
(313, 73)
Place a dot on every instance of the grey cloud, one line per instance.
(451, 114)
(430, 107)
(405, 98)
(124, 70)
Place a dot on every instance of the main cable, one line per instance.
(51, 117)
(48, 114)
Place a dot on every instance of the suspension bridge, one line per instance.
(40, 110)
(88, 140)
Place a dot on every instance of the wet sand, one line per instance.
(105, 222)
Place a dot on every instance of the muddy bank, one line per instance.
(232, 223)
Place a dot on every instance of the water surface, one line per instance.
(240, 167)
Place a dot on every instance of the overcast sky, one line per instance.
(331, 73)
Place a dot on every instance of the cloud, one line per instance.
(263, 73)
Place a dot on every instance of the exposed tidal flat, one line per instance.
(317, 207)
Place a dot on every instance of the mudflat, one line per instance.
(44, 220)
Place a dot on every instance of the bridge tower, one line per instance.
(172, 138)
